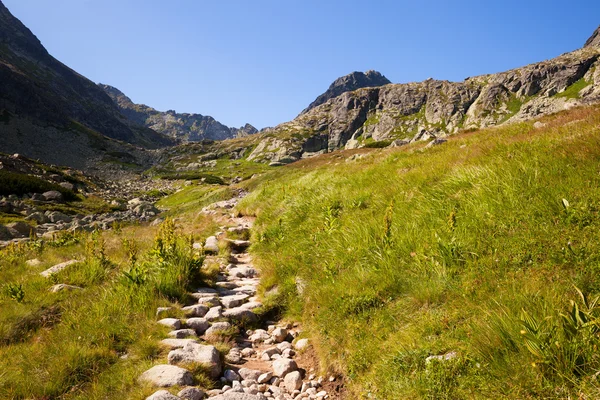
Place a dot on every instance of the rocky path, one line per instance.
(262, 364)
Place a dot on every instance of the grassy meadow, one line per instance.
(485, 247)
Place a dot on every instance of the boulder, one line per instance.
(57, 216)
(162, 395)
(197, 310)
(283, 366)
(198, 353)
(234, 356)
(57, 268)
(211, 245)
(182, 333)
(301, 344)
(176, 343)
(53, 195)
(200, 325)
(218, 327)
(279, 334)
(22, 228)
(172, 323)
(167, 375)
(240, 314)
(191, 393)
(5, 233)
(249, 374)
(234, 301)
(214, 313)
(292, 381)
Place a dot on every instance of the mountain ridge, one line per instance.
(188, 127)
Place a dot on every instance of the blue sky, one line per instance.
(263, 61)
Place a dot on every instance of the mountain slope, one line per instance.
(430, 109)
(186, 127)
(45, 103)
(594, 40)
(348, 83)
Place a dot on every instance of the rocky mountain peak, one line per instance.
(353, 81)
(594, 40)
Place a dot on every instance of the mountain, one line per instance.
(594, 40)
(185, 127)
(402, 113)
(51, 112)
(348, 83)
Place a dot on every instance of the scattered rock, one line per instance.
(200, 325)
(167, 375)
(172, 323)
(292, 381)
(53, 195)
(57, 268)
(162, 395)
(64, 287)
(191, 393)
(301, 344)
(283, 366)
(176, 343)
(211, 245)
(197, 310)
(198, 353)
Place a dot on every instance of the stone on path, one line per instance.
(162, 395)
(249, 374)
(163, 312)
(198, 353)
(200, 325)
(191, 393)
(57, 268)
(197, 310)
(265, 378)
(182, 333)
(214, 313)
(217, 327)
(301, 344)
(234, 356)
(176, 343)
(240, 314)
(279, 334)
(237, 396)
(167, 375)
(293, 381)
(172, 323)
(211, 245)
(283, 366)
(234, 301)
(231, 375)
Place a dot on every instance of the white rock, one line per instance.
(182, 333)
(279, 334)
(200, 325)
(195, 311)
(167, 375)
(162, 395)
(231, 375)
(264, 378)
(283, 366)
(211, 245)
(191, 393)
(234, 301)
(293, 381)
(249, 374)
(301, 344)
(214, 313)
(198, 353)
(176, 343)
(240, 314)
(172, 323)
(57, 268)
(218, 327)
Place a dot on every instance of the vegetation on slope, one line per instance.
(485, 247)
(94, 343)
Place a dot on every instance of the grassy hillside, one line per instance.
(485, 247)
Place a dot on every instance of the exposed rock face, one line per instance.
(594, 40)
(43, 103)
(403, 113)
(348, 83)
(186, 127)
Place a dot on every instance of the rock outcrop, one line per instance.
(182, 126)
(404, 113)
(355, 80)
(594, 40)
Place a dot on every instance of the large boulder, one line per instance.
(162, 395)
(198, 353)
(167, 375)
(283, 366)
(22, 228)
(211, 245)
(53, 195)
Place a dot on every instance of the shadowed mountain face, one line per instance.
(182, 126)
(41, 97)
(348, 83)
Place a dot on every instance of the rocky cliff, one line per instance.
(49, 111)
(401, 113)
(348, 83)
(181, 126)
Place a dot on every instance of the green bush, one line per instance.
(20, 184)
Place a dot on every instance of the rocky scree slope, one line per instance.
(355, 80)
(49, 111)
(401, 113)
(185, 127)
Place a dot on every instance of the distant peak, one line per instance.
(594, 40)
(347, 83)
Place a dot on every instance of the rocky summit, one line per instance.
(182, 126)
(594, 40)
(348, 83)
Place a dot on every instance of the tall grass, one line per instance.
(420, 251)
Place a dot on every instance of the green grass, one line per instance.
(465, 247)
(19, 184)
(572, 92)
(93, 343)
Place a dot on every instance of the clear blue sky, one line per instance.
(263, 61)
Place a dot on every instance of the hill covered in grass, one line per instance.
(467, 270)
